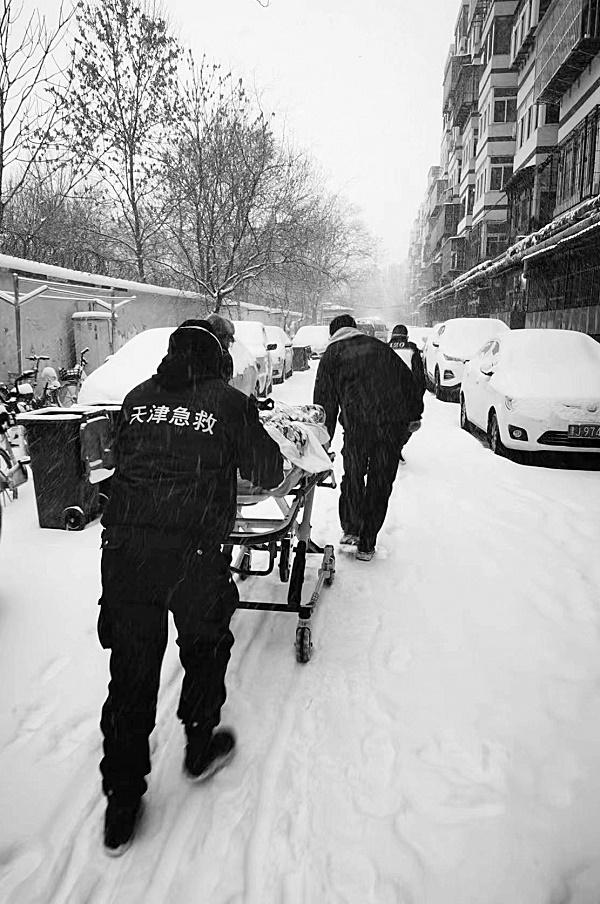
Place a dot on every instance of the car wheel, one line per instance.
(465, 423)
(493, 433)
(439, 392)
(257, 390)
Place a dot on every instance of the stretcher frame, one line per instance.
(294, 498)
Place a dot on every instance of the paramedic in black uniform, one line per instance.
(181, 438)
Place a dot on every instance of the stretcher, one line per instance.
(285, 537)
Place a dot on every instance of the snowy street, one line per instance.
(442, 746)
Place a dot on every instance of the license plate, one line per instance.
(585, 431)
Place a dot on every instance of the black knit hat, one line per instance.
(400, 330)
(194, 354)
(342, 320)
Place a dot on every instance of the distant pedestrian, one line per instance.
(362, 380)
(224, 330)
(410, 354)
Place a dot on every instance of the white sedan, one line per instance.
(450, 346)
(535, 390)
(137, 361)
(282, 355)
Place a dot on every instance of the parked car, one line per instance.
(138, 359)
(373, 326)
(419, 335)
(535, 390)
(312, 336)
(451, 345)
(253, 334)
(282, 355)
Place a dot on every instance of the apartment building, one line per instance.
(529, 182)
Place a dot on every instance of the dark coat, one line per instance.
(412, 355)
(180, 440)
(368, 385)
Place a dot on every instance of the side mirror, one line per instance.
(436, 344)
(271, 346)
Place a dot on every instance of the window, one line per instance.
(529, 112)
(552, 113)
(499, 176)
(505, 109)
(502, 31)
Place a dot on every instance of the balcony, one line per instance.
(466, 94)
(444, 226)
(568, 37)
(453, 257)
(437, 193)
(455, 65)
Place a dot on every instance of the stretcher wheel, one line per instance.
(284, 561)
(329, 563)
(245, 565)
(74, 518)
(303, 644)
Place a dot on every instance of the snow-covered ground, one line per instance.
(441, 747)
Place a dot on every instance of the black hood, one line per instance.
(194, 355)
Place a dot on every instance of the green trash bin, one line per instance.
(66, 497)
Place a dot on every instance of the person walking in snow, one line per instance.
(410, 354)
(371, 388)
(181, 437)
(224, 330)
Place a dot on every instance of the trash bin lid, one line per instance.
(47, 414)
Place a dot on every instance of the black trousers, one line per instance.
(370, 466)
(143, 577)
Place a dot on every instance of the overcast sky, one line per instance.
(357, 82)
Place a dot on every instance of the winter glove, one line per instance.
(414, 426)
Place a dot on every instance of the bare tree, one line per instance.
(122, 104)
(29, 106)
(239, 197)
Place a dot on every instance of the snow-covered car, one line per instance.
(313, 336)
(282, 355)
(451, 345)
(535, 390)
(138, 359)
(253, 335)
(419, 335)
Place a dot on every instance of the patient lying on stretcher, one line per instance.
(300, 432)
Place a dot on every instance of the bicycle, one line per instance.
(21, 396)
(71, 380)
(12, 470)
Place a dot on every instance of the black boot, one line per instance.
(203, 759)
(120, 822)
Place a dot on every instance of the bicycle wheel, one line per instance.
(67, 395)
(6, 494)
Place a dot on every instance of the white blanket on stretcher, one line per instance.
(311, 457)
(307, 454)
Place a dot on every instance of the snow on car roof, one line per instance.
(549, 363)
(250, 331)
(135, 362)
(317, 334)
(464, 336)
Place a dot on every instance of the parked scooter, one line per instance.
(22, 395)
